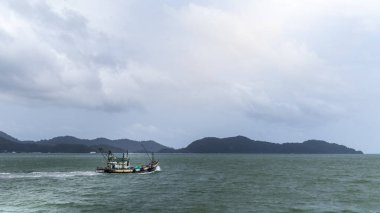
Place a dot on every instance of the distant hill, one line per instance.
(122, 144)
(240, 144)
(69, 144)
(10, 146)
(8, 137)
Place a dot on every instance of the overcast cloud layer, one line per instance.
(175, 71)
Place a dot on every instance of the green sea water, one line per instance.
(192, 183)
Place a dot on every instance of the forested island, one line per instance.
(238, 144)
(241, 144)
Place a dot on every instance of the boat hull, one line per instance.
(140, 169)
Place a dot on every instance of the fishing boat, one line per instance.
(116, 164)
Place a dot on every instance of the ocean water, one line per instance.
(192, 183)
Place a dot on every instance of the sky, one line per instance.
(177, 71)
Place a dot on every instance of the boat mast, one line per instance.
(127, 158)
(123, 161)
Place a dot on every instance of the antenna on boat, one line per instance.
(146, 152)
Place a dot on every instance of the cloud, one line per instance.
(259, 68)
(56, 56)
(180, 65)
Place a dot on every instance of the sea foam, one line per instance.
(47, 174)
